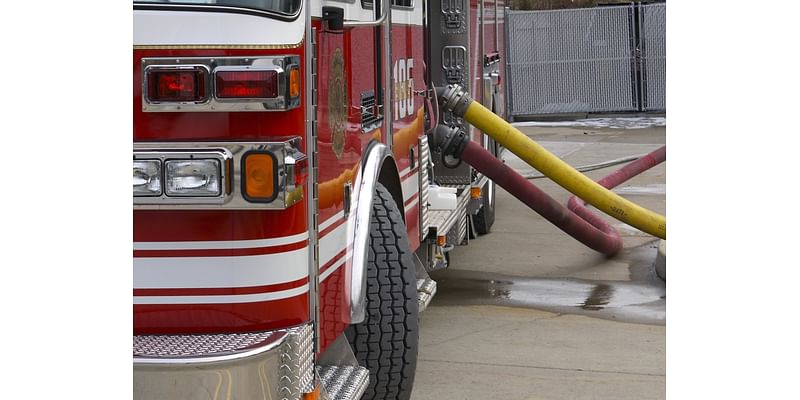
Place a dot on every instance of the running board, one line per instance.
(451, 223)
(343, 382)
(426, 289)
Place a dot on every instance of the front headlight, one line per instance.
(146, 178)
(229, 176)
(200, 178)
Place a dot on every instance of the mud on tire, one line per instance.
(386, 342)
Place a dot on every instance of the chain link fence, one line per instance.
(653, 53)
(585, 60)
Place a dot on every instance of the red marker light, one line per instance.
(300, 172)
(251, 84)
(176, 85)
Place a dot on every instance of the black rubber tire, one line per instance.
(387, 341)
(484, 218)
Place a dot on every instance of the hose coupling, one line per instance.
(449, 141)
(454, 98)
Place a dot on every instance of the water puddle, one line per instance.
(638, 302)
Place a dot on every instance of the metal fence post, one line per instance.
(653, 18)
(507, 79)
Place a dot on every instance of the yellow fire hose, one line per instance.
(453, 98)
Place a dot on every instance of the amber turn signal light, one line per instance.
(475, 193)
(294, 82)
(260, 177)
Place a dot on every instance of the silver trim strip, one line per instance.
(388, 97)
(312, 203)
(272, 342)
(375, 155)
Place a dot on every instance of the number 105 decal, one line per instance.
(403, 88)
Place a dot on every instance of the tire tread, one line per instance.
(386, 343)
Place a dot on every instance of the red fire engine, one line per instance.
(287, 204)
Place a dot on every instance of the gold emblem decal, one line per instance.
(337, 102)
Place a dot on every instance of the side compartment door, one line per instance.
(348, 117)
(408, 113)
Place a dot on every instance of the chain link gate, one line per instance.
(585, 60)
(653, 53)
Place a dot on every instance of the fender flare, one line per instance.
(377, 166)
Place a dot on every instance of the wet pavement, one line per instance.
(528, 312)
(608, 123)
(637, 302)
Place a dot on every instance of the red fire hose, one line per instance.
(577, 220)
(616, 178)
(596, 234)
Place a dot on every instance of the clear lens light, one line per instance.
(193, 178)
(146, 178)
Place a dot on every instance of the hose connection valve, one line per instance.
(454, 98)
(450, 141)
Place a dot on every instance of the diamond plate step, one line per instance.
(343, 382)
(443, 220)
(426, 289)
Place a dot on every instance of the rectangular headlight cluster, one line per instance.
(147, 178)
(181, 178)
(193, 178)
(225, 175)
(201, 176)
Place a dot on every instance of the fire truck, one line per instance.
(288, 204)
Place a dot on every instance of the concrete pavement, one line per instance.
(528, 312)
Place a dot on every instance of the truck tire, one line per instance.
(386, 341)
(484, 218)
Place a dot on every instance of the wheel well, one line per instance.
(390, 178)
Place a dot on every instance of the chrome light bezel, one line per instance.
(177, 67)
(221, 155)
(168, 176)
(159, 176)
(280, 64)
(287, 154)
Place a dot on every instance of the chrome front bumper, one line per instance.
(263, 365)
